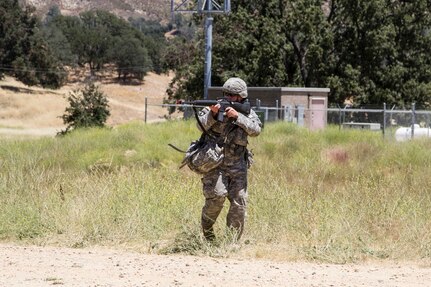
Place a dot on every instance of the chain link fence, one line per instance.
(396, 124)
(392, 123)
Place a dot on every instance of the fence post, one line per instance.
(260, 113)
(413, 119)
(287, 113)
(301, 112)
(146, 107)
(384, 120)
(339, 117)
(277, 111)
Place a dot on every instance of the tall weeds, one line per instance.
(334, 196)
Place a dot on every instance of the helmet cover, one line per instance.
(235, 86)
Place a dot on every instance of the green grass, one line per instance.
(332, 196)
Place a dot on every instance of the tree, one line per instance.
(130, 57)
(182, 56)
(153, 40)
(71, 28)
(381, 52)
(256, 42)
(59, 45)
(56, 39)
(251, 47)
(87, 108)
(24, 52)
(99, 37)
(374, 51)
(95, 39)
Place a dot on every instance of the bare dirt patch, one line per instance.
(47, 266)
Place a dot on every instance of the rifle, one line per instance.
(241, 107)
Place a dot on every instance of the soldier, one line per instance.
(230, 178)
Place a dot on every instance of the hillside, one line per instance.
(34, 110)
(158, 10)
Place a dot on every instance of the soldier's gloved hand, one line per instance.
(214, 109)
(231, 113)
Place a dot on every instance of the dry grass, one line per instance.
(122, 186)
(29, 107)
(25, 107)
(337, 155)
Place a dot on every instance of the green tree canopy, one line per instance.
(24, 53)
(99, 37)
(130, 57)
(374, 51)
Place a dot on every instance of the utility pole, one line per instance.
(208, 8)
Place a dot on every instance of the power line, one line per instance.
(29, 69)
(37, 70)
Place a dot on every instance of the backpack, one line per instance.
(202, 156)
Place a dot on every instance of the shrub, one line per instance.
(88, 108)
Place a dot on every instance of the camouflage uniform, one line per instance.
(230, 178)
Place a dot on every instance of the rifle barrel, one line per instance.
(240, 107)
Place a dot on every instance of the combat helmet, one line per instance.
(235, 86)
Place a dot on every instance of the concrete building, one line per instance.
(305, 106)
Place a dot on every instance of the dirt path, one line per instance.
(47, 266)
